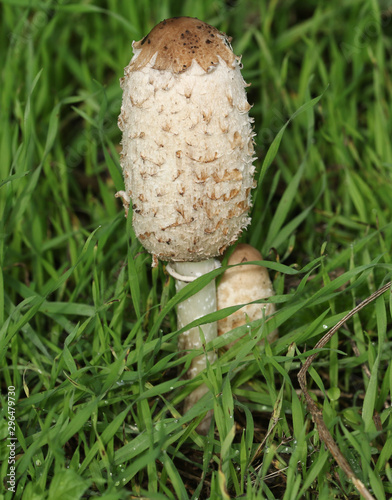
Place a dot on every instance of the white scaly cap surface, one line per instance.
(187, 142)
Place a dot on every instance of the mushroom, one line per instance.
(187, 154)
(241, 285)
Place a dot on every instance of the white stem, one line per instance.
(200, 304)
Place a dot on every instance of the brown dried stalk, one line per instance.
(317, 415)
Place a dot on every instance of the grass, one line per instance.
(87, 328)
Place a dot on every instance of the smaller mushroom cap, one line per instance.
(241, 285)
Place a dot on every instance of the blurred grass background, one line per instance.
(87, 328)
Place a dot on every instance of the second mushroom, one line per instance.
(245, 284)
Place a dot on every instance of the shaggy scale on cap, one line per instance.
(187, 142)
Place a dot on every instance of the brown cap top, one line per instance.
(244, 253)
(180, 40)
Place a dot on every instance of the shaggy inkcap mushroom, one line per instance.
(187, 155)
(241, 285)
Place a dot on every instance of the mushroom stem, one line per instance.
(197, 306)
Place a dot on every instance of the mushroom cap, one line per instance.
(187, 142)
(241, 285)
(179, 41)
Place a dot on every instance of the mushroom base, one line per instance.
(197, 306)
